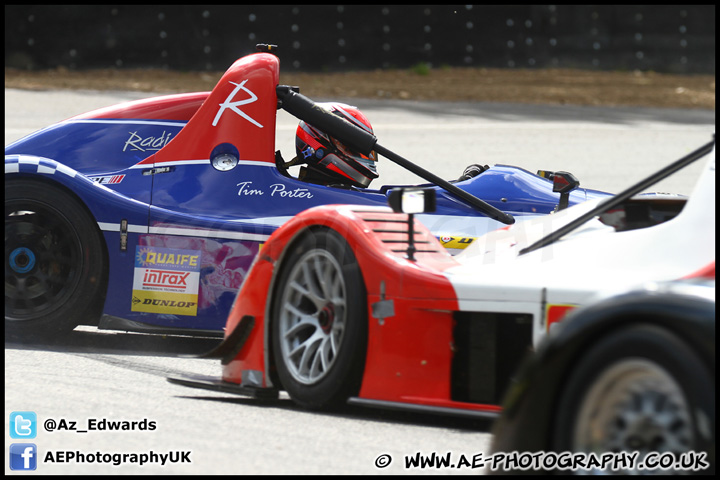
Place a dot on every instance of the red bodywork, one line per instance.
(242, 104)
(409, 353)
(179, 107)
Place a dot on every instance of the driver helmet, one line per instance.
(328, 160)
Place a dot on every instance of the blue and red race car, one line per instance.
(146, 216)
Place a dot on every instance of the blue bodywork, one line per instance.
(186, 208)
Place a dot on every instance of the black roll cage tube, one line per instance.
(307, 110)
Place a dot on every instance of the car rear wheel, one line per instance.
(639, 390)
(319, 323)
(54, 267)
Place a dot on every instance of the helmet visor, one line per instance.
(365, 161)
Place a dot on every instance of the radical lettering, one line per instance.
(136, 142)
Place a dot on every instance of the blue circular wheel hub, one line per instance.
(22, 260)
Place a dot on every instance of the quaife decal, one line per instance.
(166, 281)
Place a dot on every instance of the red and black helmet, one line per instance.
(328, 160)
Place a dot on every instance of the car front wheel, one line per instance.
(319, 322)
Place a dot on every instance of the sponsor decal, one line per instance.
(228, 104)
(275, 190)
(107, 179)
(158, 303)
(166, 280)
(455, 242)
(145, 144)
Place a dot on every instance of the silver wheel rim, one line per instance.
(635, 405)
(312, 316)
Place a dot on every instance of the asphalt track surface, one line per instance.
(93, 378)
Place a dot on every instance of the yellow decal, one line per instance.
(166, 280)
(162, 302)
(157, 258)
(449, 241)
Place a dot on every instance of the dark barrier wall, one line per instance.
(663, 38)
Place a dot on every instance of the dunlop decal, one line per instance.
(455, 242)
(166, 280)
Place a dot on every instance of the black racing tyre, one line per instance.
(319, 322)
(54, 261)
(639, 389)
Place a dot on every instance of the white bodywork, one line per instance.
(590, 262)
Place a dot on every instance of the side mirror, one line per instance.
(563, 183)
(412, 201)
